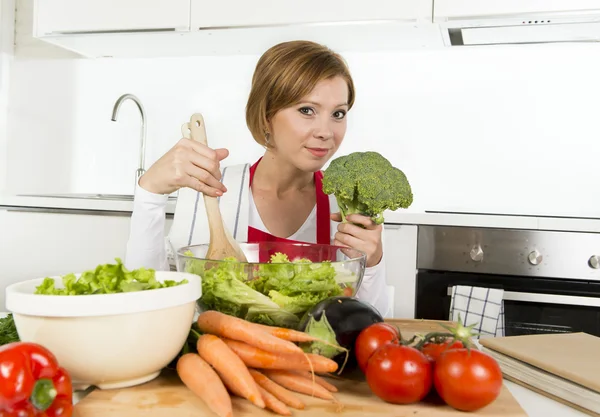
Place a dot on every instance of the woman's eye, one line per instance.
(340, 114)
(306, 110)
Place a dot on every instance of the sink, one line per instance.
(114, 197)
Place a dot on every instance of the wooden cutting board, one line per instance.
(166, 396)
(547, 352)
(538, 362)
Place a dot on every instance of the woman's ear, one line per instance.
(269, 127)
(268, 132)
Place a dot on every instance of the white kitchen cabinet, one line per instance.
(453, 9)
(400, 253)
(35, 244)
(236, 13)
(137, 28)
(95, 16)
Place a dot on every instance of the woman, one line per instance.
(300, 96)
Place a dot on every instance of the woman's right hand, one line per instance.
(187, 164)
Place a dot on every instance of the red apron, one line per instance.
(323, 223)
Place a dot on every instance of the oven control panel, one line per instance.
(510, 252)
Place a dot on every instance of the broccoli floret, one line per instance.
(366, 183)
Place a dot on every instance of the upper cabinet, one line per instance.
(251, 27)
(139, 28)
(240, 13)
(53, 17)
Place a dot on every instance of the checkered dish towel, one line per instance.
(479, 305)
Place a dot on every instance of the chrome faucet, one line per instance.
(140, 171)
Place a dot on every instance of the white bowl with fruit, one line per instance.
(108, 327)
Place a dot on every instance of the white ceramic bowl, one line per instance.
(108, 340)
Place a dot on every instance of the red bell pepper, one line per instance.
(32, 383)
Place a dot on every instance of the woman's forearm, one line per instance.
(373, 289)
(146, 244)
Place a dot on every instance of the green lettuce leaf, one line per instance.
(296, 304)
(276, 293)
(106, 279)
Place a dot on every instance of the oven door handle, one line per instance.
(529, 297)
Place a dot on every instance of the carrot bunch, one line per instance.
(259, 363)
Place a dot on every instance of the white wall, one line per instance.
(7, 16)
(505, 129)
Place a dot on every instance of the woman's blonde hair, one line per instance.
(284, 74)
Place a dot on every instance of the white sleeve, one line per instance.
(373, 288)
(146, 244)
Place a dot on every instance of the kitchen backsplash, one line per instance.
(498, 129)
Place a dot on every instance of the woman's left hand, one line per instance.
(367, 240)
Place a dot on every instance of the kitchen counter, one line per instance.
(99, 205)
(493, 221)
(534, 404)
(125, 206)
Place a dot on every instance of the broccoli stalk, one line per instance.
(366, 183)
(348, 207)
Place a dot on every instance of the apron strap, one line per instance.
(253, 170)
(323, 212)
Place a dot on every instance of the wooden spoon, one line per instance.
(222, 244)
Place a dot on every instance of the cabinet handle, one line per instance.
(111, 31)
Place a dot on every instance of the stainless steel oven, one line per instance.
(551, 279)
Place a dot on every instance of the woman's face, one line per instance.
(308, 133)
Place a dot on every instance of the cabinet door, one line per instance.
(227, 13)
(400, 254)
(468, 8)
(69, 16)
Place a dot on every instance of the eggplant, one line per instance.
(338, 321)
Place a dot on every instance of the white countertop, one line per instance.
(410, 217)
(87, 204)
(536, 405)
(493, 221)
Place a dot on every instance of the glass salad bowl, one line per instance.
(280, 282)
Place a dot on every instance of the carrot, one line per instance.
(203, 381)
(274, 404)
(295, 382)
(277, 390)
(230, 368)
(322, 382)
(287, 334)
(223, 325)
(254, 357)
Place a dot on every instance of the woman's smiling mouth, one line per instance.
(318, 152)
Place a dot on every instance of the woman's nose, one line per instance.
(324, 130)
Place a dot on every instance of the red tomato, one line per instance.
(467, 380)
(434, 350)
(399, 374)
(371, 339)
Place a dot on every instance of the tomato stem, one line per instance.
(408, 342)
(435, 337)
(460, 333)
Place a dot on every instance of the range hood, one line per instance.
(560, 23)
